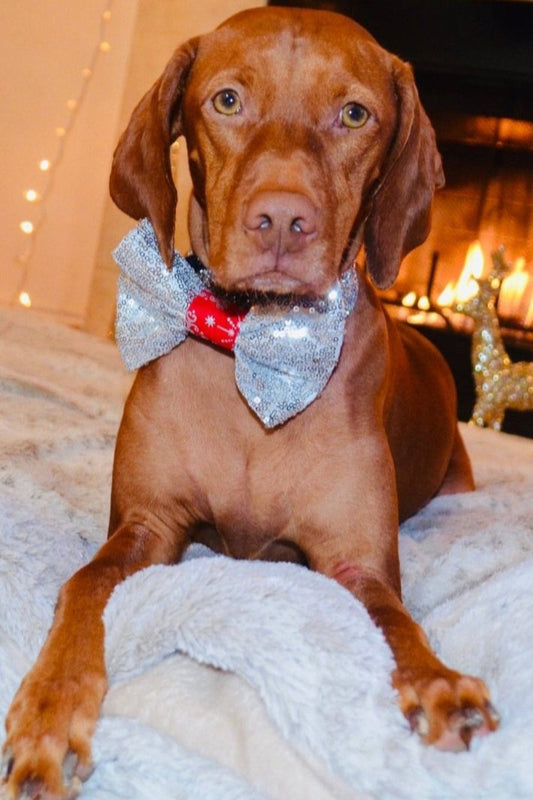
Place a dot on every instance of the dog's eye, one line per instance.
(227, 102)
(353, 115)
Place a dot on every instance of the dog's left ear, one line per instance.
(400, 213)
(141, 177)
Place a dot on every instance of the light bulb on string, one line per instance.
(50, 165)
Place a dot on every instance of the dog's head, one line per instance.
(305, 138)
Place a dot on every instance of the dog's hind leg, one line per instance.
(459, 477)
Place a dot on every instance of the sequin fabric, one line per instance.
(285, 357)
(501, 384)
(284, 354)
(152, 300)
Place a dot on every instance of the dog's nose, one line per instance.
(282, 222)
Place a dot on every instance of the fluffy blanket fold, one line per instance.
(235, 680)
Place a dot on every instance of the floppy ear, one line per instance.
(141, 179)
(400, 213)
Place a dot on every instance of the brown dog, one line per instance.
(306, 140)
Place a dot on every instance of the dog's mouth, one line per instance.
(268, 288)
(275, 288)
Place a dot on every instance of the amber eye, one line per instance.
(353, 115)
(227, 102)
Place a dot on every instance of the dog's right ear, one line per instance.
(141, 178)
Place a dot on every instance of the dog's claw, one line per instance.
(31, 790)
(465, 734)
(6, 765)
(69, 767)
(74, 774)
(471, 718)
(74, 787)
(492, 713)
(418, 722)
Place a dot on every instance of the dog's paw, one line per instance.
(445, 708)
(47, 754)
(35, 788)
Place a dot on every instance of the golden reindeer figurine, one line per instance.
(500, 382)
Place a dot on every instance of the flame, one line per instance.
(513, 293)
(466, 287)
(447, 296)
(409, 299)
(473, 269)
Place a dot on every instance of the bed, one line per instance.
(235, 680)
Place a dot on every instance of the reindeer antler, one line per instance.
(501, 268)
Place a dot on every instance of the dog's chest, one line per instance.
(252, 502)
(250, 491)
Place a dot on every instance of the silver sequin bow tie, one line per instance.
(284, 354)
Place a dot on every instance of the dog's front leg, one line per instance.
(444, 707)
(52, 718)
(355, 542)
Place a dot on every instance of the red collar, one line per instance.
(208, 319)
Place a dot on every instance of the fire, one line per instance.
(466, 287)
(409, 300)
(514, 295)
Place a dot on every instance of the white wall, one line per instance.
(44, 47)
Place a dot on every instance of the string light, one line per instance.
(49, 166)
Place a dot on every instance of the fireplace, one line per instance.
(473, 63)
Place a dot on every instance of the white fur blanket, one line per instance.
(234, 680)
